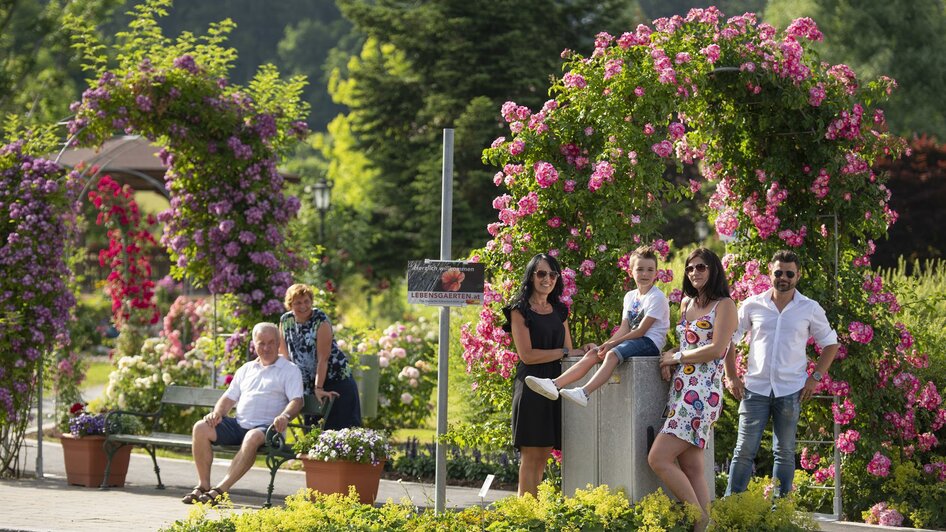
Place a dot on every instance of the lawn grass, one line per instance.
(97, 374)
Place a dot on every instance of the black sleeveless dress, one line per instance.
(537, 421)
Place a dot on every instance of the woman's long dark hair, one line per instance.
(716, 287)
(520, 301)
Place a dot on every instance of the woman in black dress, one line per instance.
(307, 340)
(538, 321)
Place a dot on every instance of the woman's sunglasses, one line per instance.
(542, 274)
(698, 267)
(778, 274)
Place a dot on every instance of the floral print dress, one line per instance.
(696, 390)
(301, 339)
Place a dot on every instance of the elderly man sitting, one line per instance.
(266, 391)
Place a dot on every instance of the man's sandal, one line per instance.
(212, 496)
(193, 496)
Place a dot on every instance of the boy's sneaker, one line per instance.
(544, 387)
(575, 395)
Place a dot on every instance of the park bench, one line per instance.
(276, 449)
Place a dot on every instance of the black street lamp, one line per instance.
(322, 198)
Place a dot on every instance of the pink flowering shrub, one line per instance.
(795, 172)
(881, 514)
(407, 360)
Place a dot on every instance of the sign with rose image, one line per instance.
(444, 283)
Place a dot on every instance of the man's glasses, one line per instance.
(788, 273)
(698, 267)
(542, 274)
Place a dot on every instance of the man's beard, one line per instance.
(784, 286)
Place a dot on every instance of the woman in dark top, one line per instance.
(307, 340)
(538, 321)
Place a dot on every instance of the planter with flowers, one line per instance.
(83, 449)
(335, 460)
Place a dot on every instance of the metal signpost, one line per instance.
(445, 283)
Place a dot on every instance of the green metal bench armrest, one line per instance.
(118, 413)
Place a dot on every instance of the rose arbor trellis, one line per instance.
(785, 145)
(226, 225)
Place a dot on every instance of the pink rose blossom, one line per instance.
(574, 81)
(545, 174)
(879, 465)
(663, 148)
(860, 332)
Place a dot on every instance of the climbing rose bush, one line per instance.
(36, 224)
(226, 226)
(129, 282)
(785, 144)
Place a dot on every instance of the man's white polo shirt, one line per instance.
(777, 360)
(262, 392)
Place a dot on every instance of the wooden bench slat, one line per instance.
(191, 396)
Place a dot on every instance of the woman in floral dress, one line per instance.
(695, 371)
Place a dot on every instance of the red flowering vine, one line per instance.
(129, 284)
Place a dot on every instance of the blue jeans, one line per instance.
(754, 412)
(637, 347)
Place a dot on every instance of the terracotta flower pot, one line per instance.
(85, 461)
(337, 476)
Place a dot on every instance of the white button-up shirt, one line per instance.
(262, 392)
(777, 360)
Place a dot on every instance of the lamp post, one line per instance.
(322, 198)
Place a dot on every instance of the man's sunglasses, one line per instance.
(542, 274)
(778, 274)
(698, 267)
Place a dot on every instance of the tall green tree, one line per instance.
(40, 73)
(902, 39)
(444, 64)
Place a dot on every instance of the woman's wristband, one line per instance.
(678, 356)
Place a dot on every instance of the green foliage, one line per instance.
(657, 512)
(418, 462)
(592, 509)
(756, 509)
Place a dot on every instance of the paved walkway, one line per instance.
(51, 504)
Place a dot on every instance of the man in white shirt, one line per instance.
(266, 391)
(780, 322)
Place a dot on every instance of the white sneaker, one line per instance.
(575, 395)
(544, 387)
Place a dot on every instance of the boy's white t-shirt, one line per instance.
(653, 304)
